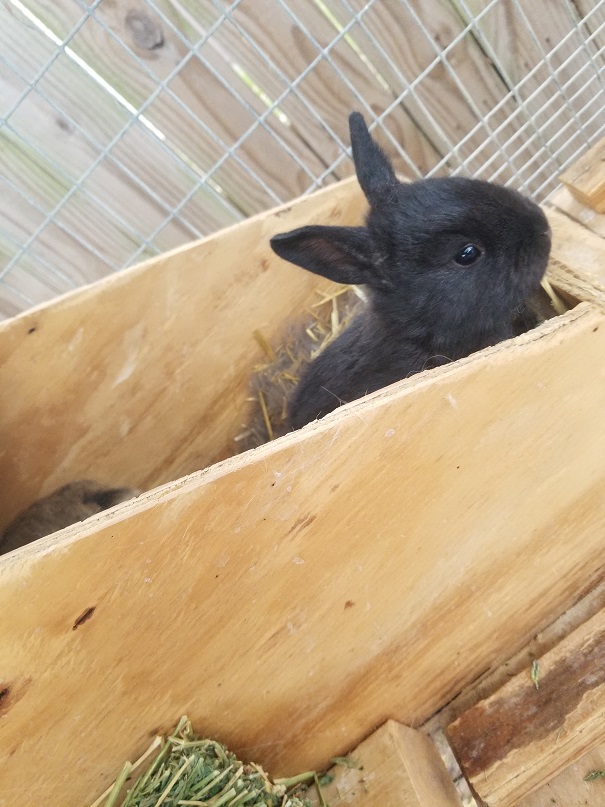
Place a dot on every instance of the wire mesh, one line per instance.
(127, 131)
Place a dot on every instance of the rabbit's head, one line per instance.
(456, 256)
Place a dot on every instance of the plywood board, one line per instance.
(143, 377)
(288, 600)
(590, 602)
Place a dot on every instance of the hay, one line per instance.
(274, 379)
(192, 772)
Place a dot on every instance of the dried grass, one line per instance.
(274, 379)
(188, 771)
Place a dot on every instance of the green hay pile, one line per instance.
(191, 772)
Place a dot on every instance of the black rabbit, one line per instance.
(67, 505)
(447, 264)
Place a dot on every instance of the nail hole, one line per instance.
(33, 329)
(85, 615)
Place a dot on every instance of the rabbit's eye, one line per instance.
(467, 255)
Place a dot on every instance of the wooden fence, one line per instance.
(130, 128)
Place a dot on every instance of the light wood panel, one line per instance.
(400, 50)
(563, 201)
(553, 109)
(144, 377)
(580, 249)
(288, 600)
(585, 179)
(106, 42)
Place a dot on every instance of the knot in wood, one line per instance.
(146, 33)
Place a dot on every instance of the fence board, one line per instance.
(55, 150)
(292, 50)
(236, 62)
(99, 117)
(201, 92)
(57, 248)
(400, 50)
(520, 49)
(232, 81)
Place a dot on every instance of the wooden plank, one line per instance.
(590, 602)
(253, 79)
(142, 393)
(538, 723)
(113, 213)
(585, 179)
(66, 146)
(153, 168)
(396, 765)
(570, 787)
(581, 250)
(361, 569)
(565, 203)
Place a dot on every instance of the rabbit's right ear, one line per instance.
(373, 168)
(342, 254)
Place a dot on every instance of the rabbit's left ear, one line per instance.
(342, 254)
(373, 168)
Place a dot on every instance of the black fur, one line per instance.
(424, 308)
(73, 502)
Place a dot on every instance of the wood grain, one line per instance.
(65, 123)
(396, 765)
(403, 41)
(533, 728)
(585, 179)
(569, 788)
(530, 42)
(288, 600)
(199, 115)
(563, 201)
(591, 600)
(580, 249)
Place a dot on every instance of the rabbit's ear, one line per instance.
(342, 254)
(374, 170)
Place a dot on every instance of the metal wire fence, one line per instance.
(129, 129)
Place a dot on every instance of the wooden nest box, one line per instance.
(293, 598)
